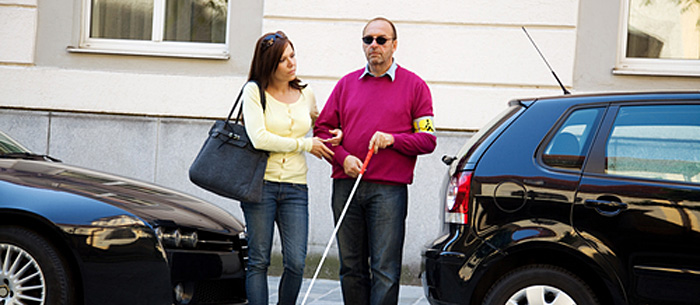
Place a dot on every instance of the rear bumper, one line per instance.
(428, 295)
(453, 266)
(441, 282)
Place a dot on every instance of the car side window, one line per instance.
(567, 149)
(656, 142)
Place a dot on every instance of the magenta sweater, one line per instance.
(360, 107)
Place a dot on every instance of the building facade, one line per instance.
(132, 86)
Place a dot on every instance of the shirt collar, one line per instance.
(391, 73)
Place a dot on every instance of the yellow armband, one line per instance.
(423, 124)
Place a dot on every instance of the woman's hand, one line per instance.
(320, 150)
(336, 139)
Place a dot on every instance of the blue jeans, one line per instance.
(287, 205)
(370, 240)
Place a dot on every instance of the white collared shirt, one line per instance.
(391, 73)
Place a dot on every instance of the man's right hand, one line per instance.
(352, 166)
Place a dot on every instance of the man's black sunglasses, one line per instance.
(381, 40)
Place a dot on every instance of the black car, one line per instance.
(578, 199)
(73, 236)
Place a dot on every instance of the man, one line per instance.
(388, 108)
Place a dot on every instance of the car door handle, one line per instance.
(605, 204)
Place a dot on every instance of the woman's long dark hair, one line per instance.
(268, 51)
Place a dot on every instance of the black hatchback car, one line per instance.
(588, 199)
(74, 236)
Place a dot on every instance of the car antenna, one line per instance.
(547, 63)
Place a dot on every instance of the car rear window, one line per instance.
(474, 148)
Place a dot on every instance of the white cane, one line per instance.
(340, 221)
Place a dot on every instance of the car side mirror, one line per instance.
(448, 159)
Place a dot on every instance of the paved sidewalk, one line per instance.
(327, 292)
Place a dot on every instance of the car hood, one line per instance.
(154, 204)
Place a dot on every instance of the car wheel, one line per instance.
(540, 285)
(31, 270)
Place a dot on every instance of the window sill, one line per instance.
(203, 55)
(631, 72)
(646, 69)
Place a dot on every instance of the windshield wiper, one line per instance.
(28, 156)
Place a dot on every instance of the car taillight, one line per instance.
(457, 201)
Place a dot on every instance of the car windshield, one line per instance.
(10, 146)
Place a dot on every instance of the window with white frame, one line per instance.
(659, 37)
(183, 28)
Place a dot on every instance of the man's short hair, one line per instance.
(393, 28)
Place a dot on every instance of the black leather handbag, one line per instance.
(228, 164)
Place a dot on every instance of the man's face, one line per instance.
(378, 55)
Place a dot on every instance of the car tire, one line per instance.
(32, 270)
(540, 284)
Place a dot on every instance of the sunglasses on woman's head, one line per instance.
(270, 40)
(381, 40)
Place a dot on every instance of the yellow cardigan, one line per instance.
(280, 130)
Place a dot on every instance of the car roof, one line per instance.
(591, 98)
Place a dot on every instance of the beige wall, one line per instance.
(53, 78)
(18, 20)
(473, 55)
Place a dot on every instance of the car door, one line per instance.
(638, 202)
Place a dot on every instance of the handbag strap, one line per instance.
(240, 109)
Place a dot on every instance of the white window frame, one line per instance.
(156, 46)
(648, 66)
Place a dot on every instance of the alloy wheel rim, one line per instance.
(21, 279)
(540, 295)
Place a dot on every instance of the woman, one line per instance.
(280, 128)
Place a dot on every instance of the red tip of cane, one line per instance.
(369, 156)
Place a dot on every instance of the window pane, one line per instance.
(656, 142)
(568, 147)
(196, 20)
(122, 19)
(667, 29)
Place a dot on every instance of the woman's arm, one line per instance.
(261, 138)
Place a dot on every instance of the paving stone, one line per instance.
(327, 292)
